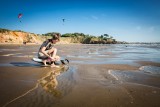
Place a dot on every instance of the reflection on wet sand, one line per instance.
(49, 83)
(99, 76)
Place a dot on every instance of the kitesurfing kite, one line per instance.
(63, 21)
(19, 16)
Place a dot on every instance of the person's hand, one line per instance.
(52, 58)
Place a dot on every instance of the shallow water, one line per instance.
(137, 77)
(114, 54)
(77, 85)
(96, 54)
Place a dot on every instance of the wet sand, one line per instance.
(98, 75)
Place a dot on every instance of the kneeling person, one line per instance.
(47, 50)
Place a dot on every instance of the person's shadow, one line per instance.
(24, 64)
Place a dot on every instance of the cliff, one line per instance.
(20, 37)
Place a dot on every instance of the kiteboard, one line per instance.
(62, 61)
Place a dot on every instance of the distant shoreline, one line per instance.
(78, 43)
(35, 44)
(18, 44)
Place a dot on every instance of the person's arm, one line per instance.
(54, 53)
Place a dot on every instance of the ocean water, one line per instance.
(138, 77)
(50, 89)
(115, 54)
(128, 54)
(94, 53)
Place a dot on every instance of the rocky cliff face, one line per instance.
(19, 37)
(25, 37)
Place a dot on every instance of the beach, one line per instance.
(98, 75)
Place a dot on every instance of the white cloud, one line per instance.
(94, 17)
(151, 29)
(138, 27)
(84, 17)
(103, 15)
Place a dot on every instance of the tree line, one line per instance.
(86, 38)
(77, 37)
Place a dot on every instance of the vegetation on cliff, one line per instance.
(85, 39)
(17, 36)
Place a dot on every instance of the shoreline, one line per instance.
(37, 43)
(81, 43)
(85, 84)
(87, 77)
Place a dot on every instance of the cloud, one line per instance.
(90, 17)
(103, 15)
(138, 27)
(84, 17)
(151, 29)
(94, 17)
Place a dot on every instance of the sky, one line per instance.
(125, 20)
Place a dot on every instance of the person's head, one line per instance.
(55, 37)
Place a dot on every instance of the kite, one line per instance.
(63, 21)
(19, 16)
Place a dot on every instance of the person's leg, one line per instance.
(44, 62)
(53, 53)
(43, 57)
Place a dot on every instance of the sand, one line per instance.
(89, 82)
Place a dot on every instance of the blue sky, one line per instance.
(125, 20)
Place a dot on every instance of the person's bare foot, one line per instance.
(44, 62)
(53, 65)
